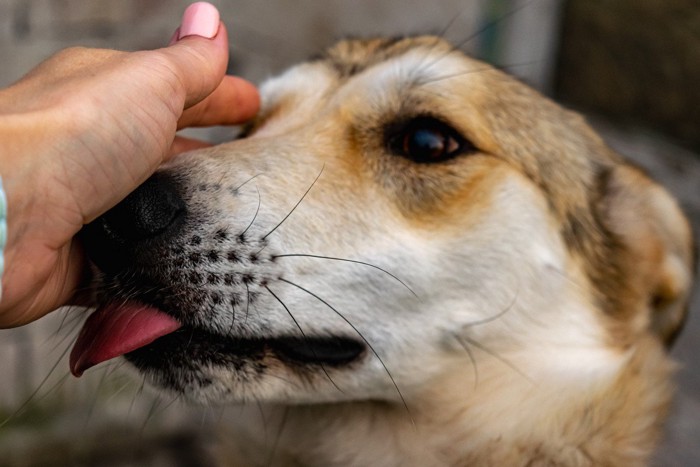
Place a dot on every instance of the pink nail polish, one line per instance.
(200, 19)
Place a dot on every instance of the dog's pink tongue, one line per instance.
(114, 330)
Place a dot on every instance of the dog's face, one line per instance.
(395, 211)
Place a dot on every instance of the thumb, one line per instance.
(198, 53)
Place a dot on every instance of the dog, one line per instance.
(407, 258)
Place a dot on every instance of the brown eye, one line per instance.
(426, 140)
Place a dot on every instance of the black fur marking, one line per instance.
(195, 258)
(235, 300)
(213, 256)
(199, 299)
(195, 278)
(248, 278)
(213, 278)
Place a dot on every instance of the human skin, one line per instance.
(84, 129)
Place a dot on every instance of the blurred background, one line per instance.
(632, 66)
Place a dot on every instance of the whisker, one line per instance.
(262, 249)
(494, 22)
(393, 381)
(247, 304)
(424, 81)
(93, 401)
(262, 417)
(137, 395)
(498, 315)
(62, 380)
(257, 211)
(63, 318)
(36, 391)
(426, 61)
(114, 366)
(71, 334)
(289, 382)
(443, 32)
(235, 190)
(467, 340)
(189, 341)
(233, 315)
(280, 429)
(503, 360)
(151, 412)
(566, 277)
(296, 205)
(162, 410)
(354, 261)
(489, 25)
(114, 394)
(296, 323)
(471, 357)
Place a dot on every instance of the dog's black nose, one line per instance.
(135, 227)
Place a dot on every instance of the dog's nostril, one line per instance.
(153, 210)
(147, 212)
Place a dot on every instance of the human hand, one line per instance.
(84, 129)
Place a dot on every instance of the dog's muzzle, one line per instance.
(147, 309)
(144, 220)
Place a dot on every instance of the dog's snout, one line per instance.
(154, 211)
(147, 212)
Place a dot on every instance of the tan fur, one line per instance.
(517, 352)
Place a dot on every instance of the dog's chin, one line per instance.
(201, 364)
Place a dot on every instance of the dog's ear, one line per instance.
(659, 260)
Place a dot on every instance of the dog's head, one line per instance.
(395, 209)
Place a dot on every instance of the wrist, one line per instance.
(27, 146)
(30, 142)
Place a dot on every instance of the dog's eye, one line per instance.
(427, 140)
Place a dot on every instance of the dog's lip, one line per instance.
(327, 350)
(196, 344)
(116, 329)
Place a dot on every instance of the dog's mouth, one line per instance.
(151, 338)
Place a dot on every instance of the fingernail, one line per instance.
(200, 19)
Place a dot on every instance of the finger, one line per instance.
(198, 61)
(234, 101)
(182, 144)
